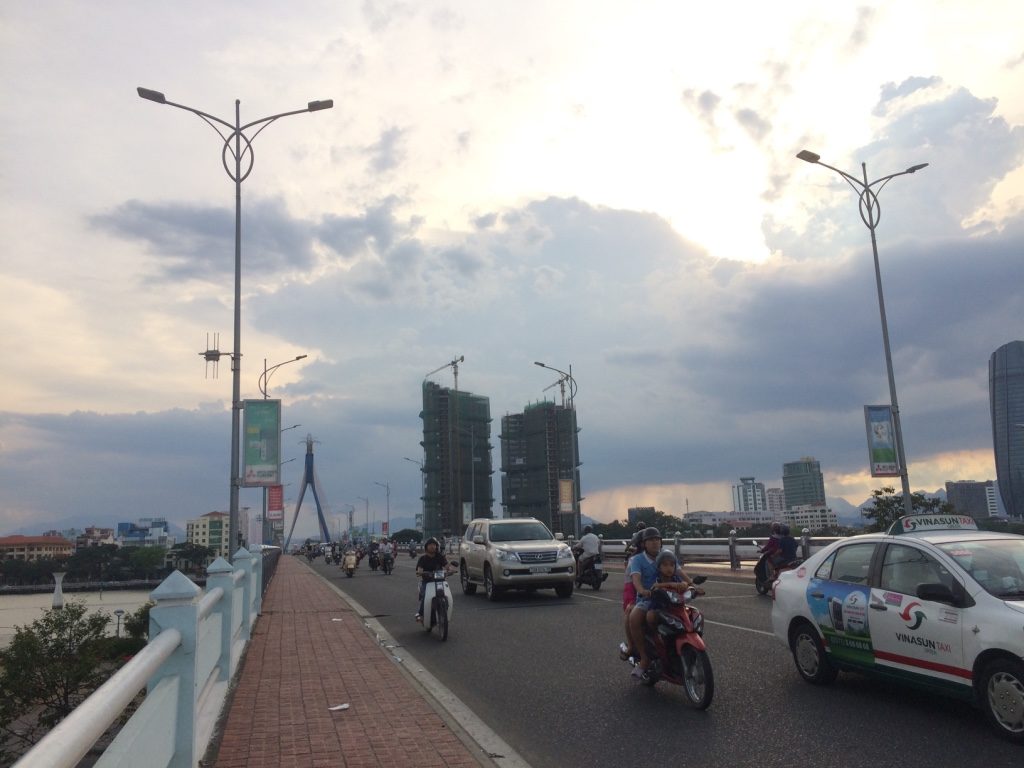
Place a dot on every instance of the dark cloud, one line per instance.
(861, 31)
(755, 125)
(894, 91)
(197, 242)
(389, 151)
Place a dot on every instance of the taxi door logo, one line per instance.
(918, 616)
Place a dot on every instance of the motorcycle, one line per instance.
(676, 646)
(766, 574)
(438, 595)
(374, 561)
(593, 575)
(412, 551)
(349, 562)
(387, 563)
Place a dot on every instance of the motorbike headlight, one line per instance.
(506, 555)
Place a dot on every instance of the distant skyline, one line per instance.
(609, 186)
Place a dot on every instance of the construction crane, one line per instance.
(454, 365)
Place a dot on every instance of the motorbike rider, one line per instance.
(431, 560)
(643, 574)
(587, 548)
(787, 547)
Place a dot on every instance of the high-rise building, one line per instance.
(803, 483)
(1006, 400)
(540, 466)
(211, 530)
(749, 496)
(457, 459)
(972, 497)
(146, 532)
(775, 499)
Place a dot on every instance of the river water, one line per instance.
(21, 610)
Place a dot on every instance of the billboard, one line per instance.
(261, 443)
(565, 496)
(882, 455)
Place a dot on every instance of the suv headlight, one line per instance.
(506, 556)
(565, 552)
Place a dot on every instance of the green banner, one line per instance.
(261, 443)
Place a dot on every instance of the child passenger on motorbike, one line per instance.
(431, 560)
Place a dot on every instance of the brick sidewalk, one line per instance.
(299, 663)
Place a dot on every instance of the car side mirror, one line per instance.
(478, 539)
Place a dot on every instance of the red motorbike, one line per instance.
(675, 646)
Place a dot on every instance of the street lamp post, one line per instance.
(568, 377)
(363, 498)
(423, 489)
(263, 383)
(871, 214)
(119, 612)
(233, 147)
(387, 488)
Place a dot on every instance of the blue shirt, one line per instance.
(644, 565)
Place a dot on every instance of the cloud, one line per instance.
(755, 125)
(388, 153)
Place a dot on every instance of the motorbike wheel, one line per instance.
(809, 654)
(596, 581)
(349, 574)
(698, 678)
(430, 621)
(442, 617)
(761, 586)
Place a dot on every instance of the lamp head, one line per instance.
(149, 95)
(917, 167)
(316, 106)
(807, 156)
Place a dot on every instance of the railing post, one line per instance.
(734, 557)
(805, 543)
(176, 608)
(243, 562)
(257, 578)
(218, 574)
(677, 547)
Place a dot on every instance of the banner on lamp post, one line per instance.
(275, 502)
(261, 443)
(881, 430)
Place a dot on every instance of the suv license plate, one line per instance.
(540, 569)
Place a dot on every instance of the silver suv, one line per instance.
(518, 553)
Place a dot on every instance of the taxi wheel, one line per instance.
(809, 654)
(1002, 696)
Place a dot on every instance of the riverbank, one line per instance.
(22, 610)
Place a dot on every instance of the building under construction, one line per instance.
(540, 466)
(457, 459)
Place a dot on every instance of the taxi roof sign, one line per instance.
(921, 523)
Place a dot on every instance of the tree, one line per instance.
(887, 507)
(407, 534)
(49, 668)
(136, 624)
(146, 560)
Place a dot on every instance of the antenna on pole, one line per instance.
(212, 355)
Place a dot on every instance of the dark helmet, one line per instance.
(776, 527)
(430, 541)
(665, 554)
(641, 525)
(650, 533)
(784, 530)
(587, 529)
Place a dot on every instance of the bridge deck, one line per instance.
(300, 662)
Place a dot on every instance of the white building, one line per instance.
(776, 501)
(813, 517)
(748, 496)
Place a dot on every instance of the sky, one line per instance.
(611, 186)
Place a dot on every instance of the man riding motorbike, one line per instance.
(586, 549)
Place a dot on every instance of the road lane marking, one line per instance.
(735, 626)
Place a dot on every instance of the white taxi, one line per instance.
(934, 602)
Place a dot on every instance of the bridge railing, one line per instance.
(196, 642)
(731, 549)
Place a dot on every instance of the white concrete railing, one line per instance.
(196, 642)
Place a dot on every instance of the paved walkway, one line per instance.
(310, 652)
